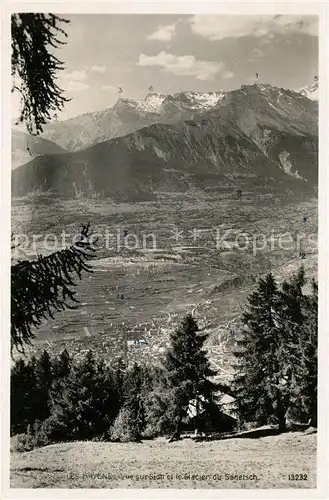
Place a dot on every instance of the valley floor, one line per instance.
(170, 465)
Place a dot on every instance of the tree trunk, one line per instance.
(282, 409)
(197, 421)
(282, 423)
(314, 417)
(177, 432)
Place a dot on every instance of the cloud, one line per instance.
(76, 75)
(98, 69)
(73, 86)
(186, 65)
(220, 26)
(227, 75)
(163, 33)
(110, 88)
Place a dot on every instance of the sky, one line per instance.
(173, 53)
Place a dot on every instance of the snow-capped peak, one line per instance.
(207, 100)
(311, 91)
(152, 102)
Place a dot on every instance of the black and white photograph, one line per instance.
(164, 250)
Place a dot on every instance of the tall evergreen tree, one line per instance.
(308, 377)
(22, 389)
(259, 382)
(88, 403)
(299, 318)
(188, 371)
(130, 421)
(277, 355)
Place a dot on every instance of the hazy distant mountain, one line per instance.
(311, 91)
(250, 136)
(25, 146)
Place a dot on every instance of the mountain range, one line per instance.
(221, 140)
(128, 115)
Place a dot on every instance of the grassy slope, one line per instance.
(271, 459)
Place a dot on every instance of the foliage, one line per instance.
(87, 403)
(188, 371)
(41, 287)
(301, 348)
(277, 355)
(22, 442)
(22, 395)
(34, 36)
(123, 429)
(133, 401)
(58, 399)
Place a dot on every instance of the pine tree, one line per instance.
(87, 403)
(155, 386)
(133, 400)
(260, 388)
(188, 371)
(308, 378)
(22, 388)
(299, 316)
(62, 365)
(34, 38)
(277, 356)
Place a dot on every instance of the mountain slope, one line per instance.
(282, 123)
(25, 146)
(212, 154)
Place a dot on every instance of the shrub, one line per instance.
(22, 442)
(53, 430)
(123, 429)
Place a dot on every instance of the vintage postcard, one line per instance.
(165, 199)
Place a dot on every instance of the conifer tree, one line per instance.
(119, 377)
(308, 376)
(133, 400)
(43, 379)
(22, 388)
(43, 286)
(277, 355)
(87, 404)
(299, 317)
(62, 365)
(260, 391)
(187, 371)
